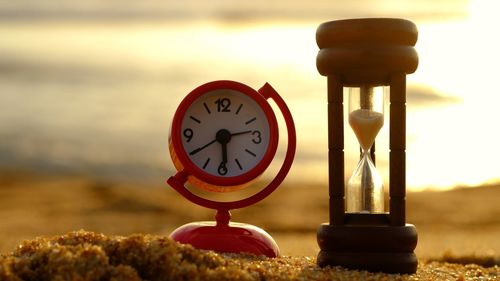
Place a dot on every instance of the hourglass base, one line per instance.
(374, 248)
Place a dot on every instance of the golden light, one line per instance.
(455, 144)
(458, 58)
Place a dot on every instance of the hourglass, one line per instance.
(367, 57)
(365, 190)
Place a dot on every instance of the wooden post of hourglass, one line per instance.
(397, 146)
(336, 150)
(367, 53)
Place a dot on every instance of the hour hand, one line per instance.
(224, 152)
(223, 136)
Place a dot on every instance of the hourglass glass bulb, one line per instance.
(365, 191)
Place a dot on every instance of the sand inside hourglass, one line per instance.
(365, 187)
(366, 124)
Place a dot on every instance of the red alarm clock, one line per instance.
(224, 135)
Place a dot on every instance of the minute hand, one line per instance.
(201, 147)
(241, 133)
(208, 144)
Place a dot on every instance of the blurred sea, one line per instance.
(96, 95)
(98, 98)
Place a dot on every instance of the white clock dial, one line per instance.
(225, 133)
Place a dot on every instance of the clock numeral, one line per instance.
(222, 170)
(188, 134)
(257, 138)
(223, 105)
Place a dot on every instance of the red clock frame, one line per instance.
(180, 157)
(187, 167)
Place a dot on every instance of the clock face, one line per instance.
(225, 133)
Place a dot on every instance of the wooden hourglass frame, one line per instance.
(367, 53)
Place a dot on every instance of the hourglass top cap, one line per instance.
(368, 48)
(375, 31)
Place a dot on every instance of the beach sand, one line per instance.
(459, 232)
(88, 256)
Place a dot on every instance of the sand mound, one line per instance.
(85, 255)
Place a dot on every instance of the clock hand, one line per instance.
(241, 133)
(224, 152)
(202, 147)
(223, 136)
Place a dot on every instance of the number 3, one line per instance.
(257, 138)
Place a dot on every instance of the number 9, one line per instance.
(188, 134)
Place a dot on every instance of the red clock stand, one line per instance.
(223, 235)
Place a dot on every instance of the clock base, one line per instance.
(226, 237)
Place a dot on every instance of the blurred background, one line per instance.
(89, 88)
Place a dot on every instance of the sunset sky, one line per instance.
(91, 86)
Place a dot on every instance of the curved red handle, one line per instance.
(179, 179)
